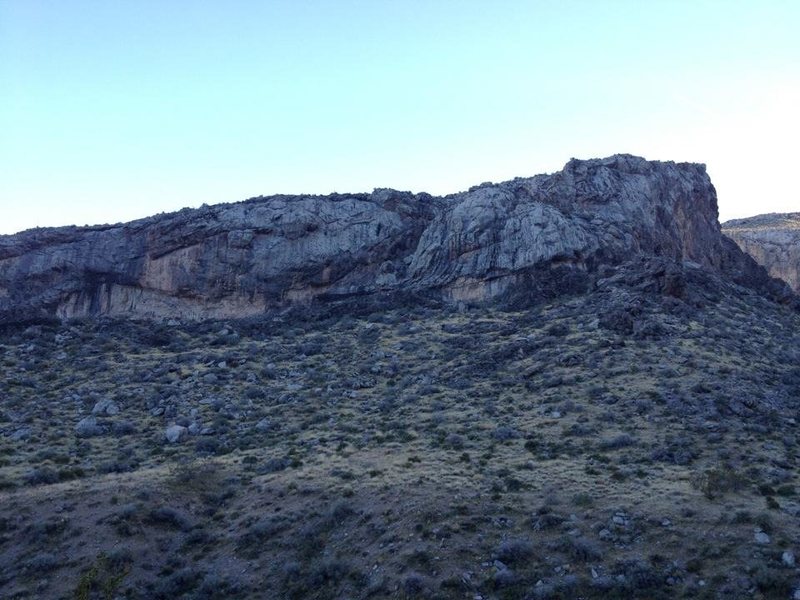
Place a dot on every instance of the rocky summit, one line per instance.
(519, 241)
(568, 386)
(773, 240)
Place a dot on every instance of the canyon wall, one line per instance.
(525, 238)
(773, 240)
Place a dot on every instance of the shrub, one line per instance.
(580, 548)
(168, 517)
(104, 576)
(514, 551)
(177, 584)
(41, 475)
(718, 481)
(214, 587)
(503, 433)
(621, 441)
(414, 585)
(252, 541)
(582, 499)
(41, 563)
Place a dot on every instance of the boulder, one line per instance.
(89, 427)
(175, 434)
(105, 407)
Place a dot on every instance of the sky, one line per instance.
(111, 111)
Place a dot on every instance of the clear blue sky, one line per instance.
(115, 110)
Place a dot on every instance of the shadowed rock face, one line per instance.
(527, 238)
(773, 240)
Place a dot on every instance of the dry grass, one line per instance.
(402, 454)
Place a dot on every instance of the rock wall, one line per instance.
(773, 241)
(526, 237)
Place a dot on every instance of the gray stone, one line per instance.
(89, 427)
(176, 433)
(105, 407)
(531, 236)
(500, 565)
(761, 538)
(21, 434)
(241, 238)
(788, 558)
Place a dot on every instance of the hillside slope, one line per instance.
(636, 441)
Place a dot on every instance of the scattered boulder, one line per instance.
(21, 434)
(788, 559)
(264, 425)
(89, 427)
(176, 434)
(761, 538)
(105, 407)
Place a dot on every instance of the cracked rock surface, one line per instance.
(773, 240)
(522, 239)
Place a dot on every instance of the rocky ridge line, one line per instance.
(514, 242)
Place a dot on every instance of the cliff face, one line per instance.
(529, 236)
(773, 240)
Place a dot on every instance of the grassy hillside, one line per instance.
(620, 444)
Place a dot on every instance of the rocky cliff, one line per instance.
(523, 239)
(773, 240)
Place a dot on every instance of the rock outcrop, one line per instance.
(773, 240)
(523, 239)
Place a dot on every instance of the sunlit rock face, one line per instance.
(773, 240)
(524, 239)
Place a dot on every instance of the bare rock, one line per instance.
(761, 538)
(773, 240)
(176, 434)
(89, 427)
(788, 559)
(519, 241)
(105, 407)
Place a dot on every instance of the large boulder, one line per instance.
(175, 434)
